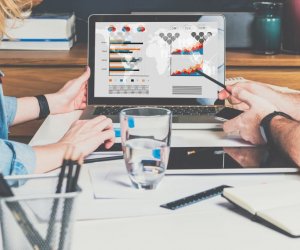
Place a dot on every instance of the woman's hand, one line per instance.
(87, 135)
(72, 96)
(84, 137)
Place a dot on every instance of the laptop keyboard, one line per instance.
(176, 110)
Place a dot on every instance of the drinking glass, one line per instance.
(145, 136)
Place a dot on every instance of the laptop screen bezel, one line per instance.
(93, 19)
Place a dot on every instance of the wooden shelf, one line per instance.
(245, 58)
(75, 57)
(281, 69)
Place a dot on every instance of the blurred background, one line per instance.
(84, 8)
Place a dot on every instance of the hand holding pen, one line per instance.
(214, 81)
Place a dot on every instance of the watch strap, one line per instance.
(44, 106)
(265, 125)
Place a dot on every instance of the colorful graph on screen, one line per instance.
(195, 49)
(190, 71)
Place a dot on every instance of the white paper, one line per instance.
(112, 182)
(107, 192)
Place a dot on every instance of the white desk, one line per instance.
(212, 224)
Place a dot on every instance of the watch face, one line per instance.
(263, 133)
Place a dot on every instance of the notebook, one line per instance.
(275, 204)
(157, 60)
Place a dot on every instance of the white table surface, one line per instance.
(212, 224)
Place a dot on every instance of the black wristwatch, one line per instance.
(44, 106)
(265, 129)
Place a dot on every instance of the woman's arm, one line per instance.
(27, 109)
(70, 97)
(83, 136)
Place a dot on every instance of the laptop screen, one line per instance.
(146, 60)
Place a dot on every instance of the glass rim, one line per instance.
(168, 112)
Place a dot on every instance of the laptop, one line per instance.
(157, 60)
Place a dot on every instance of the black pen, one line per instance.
(76, 176)
(68, 203)
(70, 175)
(61, 175)
(213, 80)
(52, 218)
(110, 158)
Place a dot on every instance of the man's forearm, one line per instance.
(27, 109)
(291, 105)
(286, 134)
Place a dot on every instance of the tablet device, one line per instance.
(228, 160)
(115, 148)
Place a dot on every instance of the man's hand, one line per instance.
(72, 96)
(287, 102)
(247, 124)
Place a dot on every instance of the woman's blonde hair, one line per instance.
(12, 9)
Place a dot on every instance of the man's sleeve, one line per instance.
(10, 105)
(16, 158)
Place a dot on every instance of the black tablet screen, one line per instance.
(227, 158)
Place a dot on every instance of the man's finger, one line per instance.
(240, 106)
(223, 94)
(245, 96)
(232, 100)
